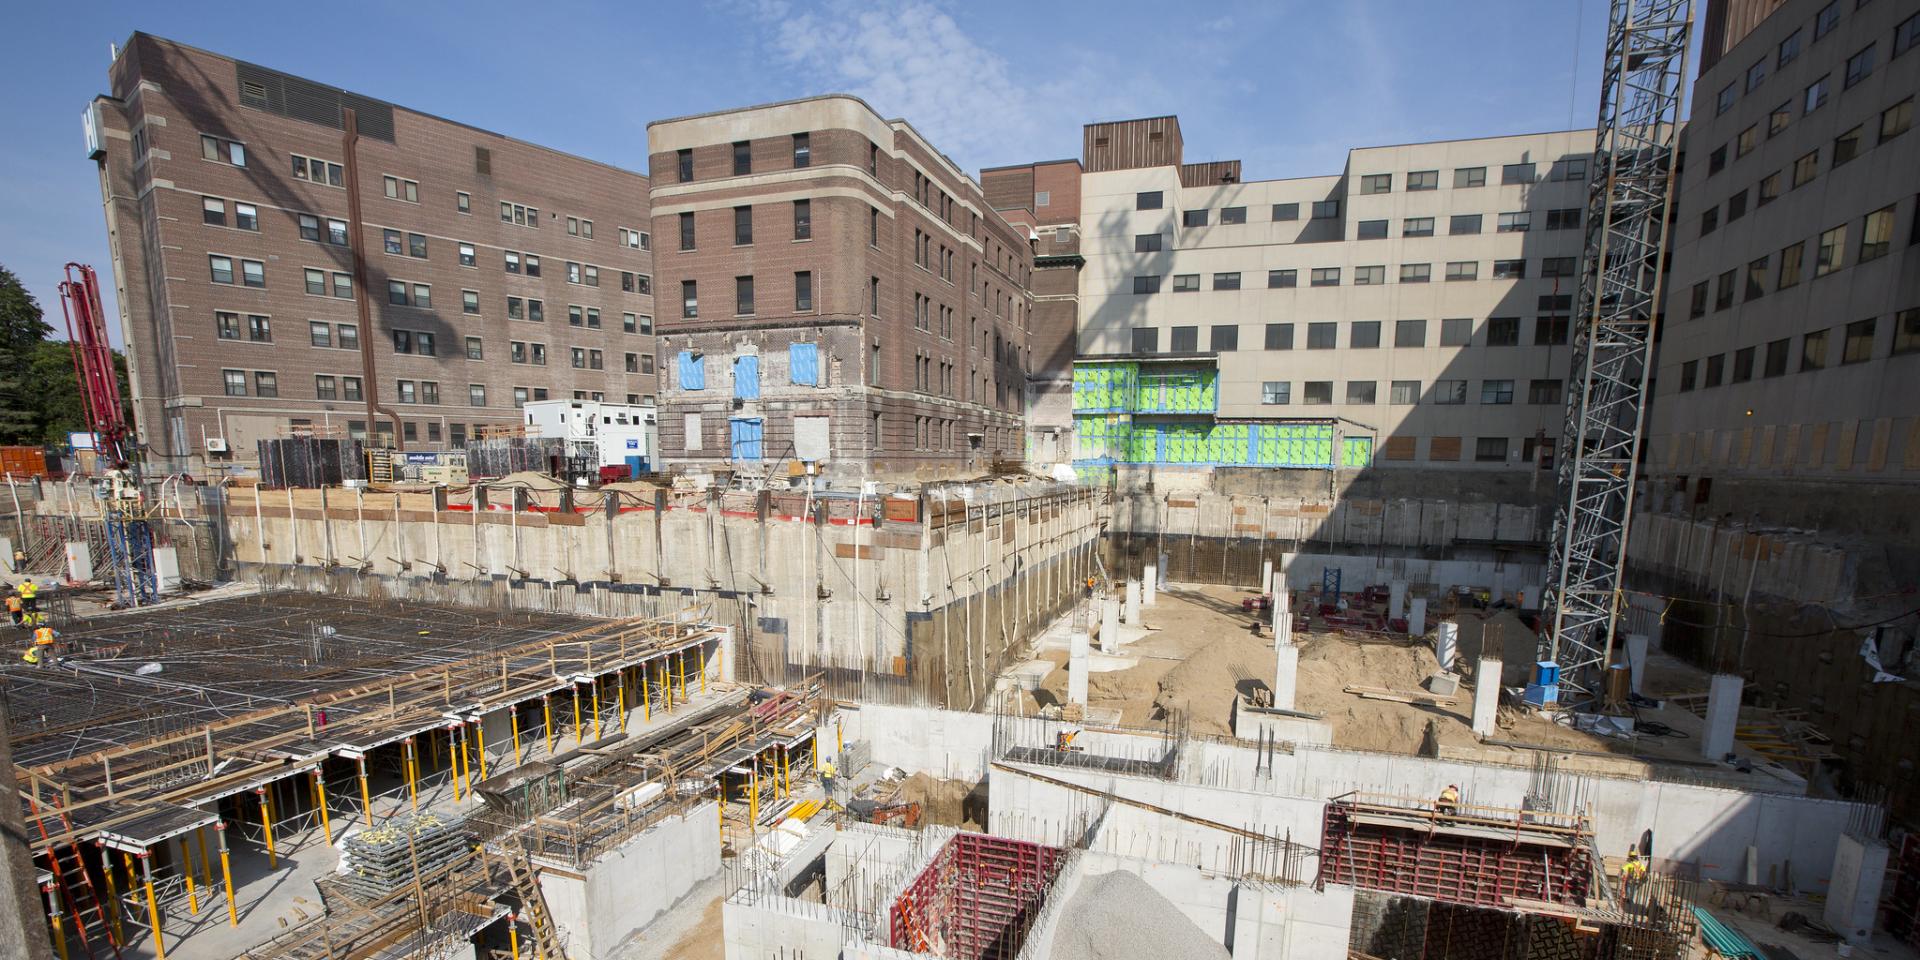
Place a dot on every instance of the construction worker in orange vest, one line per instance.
(42, 648)
(16, 608)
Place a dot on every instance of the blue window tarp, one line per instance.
(803, 360)
(746, 438)
(746, 377)
(693, 371)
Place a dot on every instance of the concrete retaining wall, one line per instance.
(627, 888)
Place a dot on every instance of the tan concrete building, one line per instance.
(1044, 199)
(493, 271)
(1411, 310)
(1792, 338)
(841, 294)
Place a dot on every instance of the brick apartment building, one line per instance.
(493, 271)
(1045, 198)
(846, 296)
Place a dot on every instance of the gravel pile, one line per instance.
(1117, 916)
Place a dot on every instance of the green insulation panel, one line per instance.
(1126, 387)
(1105, 387)
(1108, 439)
(1356, 451)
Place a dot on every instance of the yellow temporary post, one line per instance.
(595, 694)
(683, 676)
(839, 740)
(513, 719)
(126, 862)
(786, 774)
(320, 801)
(463, 761)
(813, 752)
(703, 670)
(153, 906)
(513, 935)
(366, 793)
(412, 763)
(620, 694)
(753, 794)
(53, 914)
(113, 896)
(206, 866)
(186, 871)
(579, 732)
(226, 873)
(479, 749)
(546, 714)
(266, 825)
(646, 692)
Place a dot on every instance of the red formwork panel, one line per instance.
(1437, 862)
(976, 898)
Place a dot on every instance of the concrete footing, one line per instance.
(1486, 695)
(1723, 714)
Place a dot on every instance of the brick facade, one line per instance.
(919, 309)
(156, 181)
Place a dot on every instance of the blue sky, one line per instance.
(1287, 86)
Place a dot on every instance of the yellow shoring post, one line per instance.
(703, 670)
(753, 795)
(620, 693)
(226, 873)
(594, 693)
(127, 861)
(479, 749)
(320, 802)
(206, 866)
(266, 824)
(839, 740)
(186, 864)
(53, 916)
(646, 692)
(513, 717)
(462, 762)
(579, 732)
(113, 896)
(546, 715)
(666, 681)
(683, 676)
(366, 793)
(411, 760)
(786, 772)
(153, 906)
(513, 935)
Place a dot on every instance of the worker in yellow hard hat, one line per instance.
(42, 649)
(1635, 869)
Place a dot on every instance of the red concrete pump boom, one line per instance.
(93, 366)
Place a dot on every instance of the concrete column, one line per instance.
(1133, 602)
(1723, 713)
(79, 563)
(22, 910)
(1109, 625)
(1282, 619)
(1266, 572)
(1486, 695)
(1396, 599)
(1149, 583)
(1286, 565)
(1417, 617)
(6, 554)
(1853, 893)
(1286, 671)
(1446, 642)
(1636, 658)
(166, 569)
(1077, 668)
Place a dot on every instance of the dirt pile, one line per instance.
(1203, 686)
(946, 802)
(1500, 633)
(1118, 916)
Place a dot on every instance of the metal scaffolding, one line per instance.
(1627, 209)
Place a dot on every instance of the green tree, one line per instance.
(22, 330)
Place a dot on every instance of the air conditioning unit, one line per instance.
(216, 445)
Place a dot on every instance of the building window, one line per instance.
(1723, 101)
(743, 296)
(1193, 218)
(1416, 272)
(1859, 67)
(1371, 230)
(1186, 282)
(475, 349)
(325, 388)
(400, 189)
(220, 268)
(1518, 222)
(1716, 370)
(1376, 183)
(266, 384)
(1456, 332)
(259, 329)
(1790, 258)
(1778, 120)
(1858, 346)
(318, 333)
(470, 301)
(1813, 351)
(1543, 392)
(223, 150)
(1558, 266)
(1450, 393)
(1550, 331)
(1276, 392)
(873, 296)
(1282, 279)
(1318, 393)
(684, 160)
(689, 299)
(1322, 335)
(1185, 339)
(1897, 119)
(1146, 340)
(1365, 335)
(1831, 254)
(742, 158)
(1283, 212)
(1689, 373)
(1516, 173)
(227, 325)
(803, 290)
(1496, 392)
(1149, 200)
(467, 256)
(1906, 331)
(1463, 270)
(1403, 393)
(1742, 365)
(213, 211)
(1768, 191)
(463, 202)
(1325, 277)
(1746, 141)
(742, 226)
(1776, 362)
(1756, 278)
(1423, 180)
(1326, 209)
(1723, 290)
(1416, 227)
(1697, 308)
(1279, 336)
(1876, 237)
(1469, 177)
(1369, 276)
(1463, 223)
(802, 220)
(1226, 281)
(1756, 74)
(1709, 220)
(686, 231)
(1361, 391)
(1806, 168)
(1503, 331)
(1224, 338)
(1233, 215)
(1509, 269)
(1146, 283)
(1816, 96)
(235, 382)
(1846, 146)
(1409, 333)
(1490, 449)
(1146, 243)
(316, 171)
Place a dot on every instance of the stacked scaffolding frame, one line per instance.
(1628, 202)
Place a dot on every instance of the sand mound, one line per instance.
(528, 479)
(1118, 916)
(1517, 646)
(1202, 687)
(941, 801)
